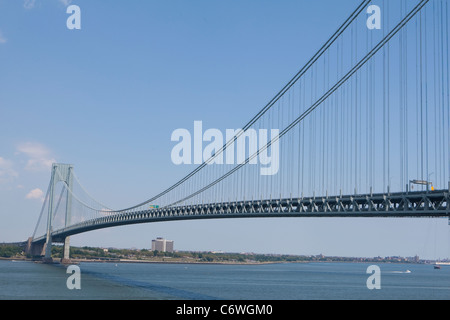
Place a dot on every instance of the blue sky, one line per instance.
(106, 98)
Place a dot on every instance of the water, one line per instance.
(296, 281)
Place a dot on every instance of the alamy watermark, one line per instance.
(374, 20)
(74, 280)
(251, 145)
(374, 280)
(74, 20)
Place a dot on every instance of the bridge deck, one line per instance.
(411, 204)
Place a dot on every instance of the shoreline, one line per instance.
(77, 261)
(174, 262)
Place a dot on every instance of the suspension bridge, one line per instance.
(364, 131)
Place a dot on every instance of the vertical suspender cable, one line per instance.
(426, 94)
(448, 88)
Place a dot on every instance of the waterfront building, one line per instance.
(162, 245)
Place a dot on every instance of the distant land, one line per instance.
(95, 254)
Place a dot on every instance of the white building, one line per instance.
(162, 245)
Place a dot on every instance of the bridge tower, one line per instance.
(60, 173)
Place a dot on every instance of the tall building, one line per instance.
(162, 245)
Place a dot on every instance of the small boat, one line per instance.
(436, 266)
(408, 271)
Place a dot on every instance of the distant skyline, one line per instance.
(107, 98)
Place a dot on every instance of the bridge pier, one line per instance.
(43, 250)
(66, 252)
(35, 249)
(48, 250)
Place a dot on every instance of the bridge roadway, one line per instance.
(410, 204)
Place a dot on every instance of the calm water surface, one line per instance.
(27, 280)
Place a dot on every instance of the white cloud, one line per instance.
(39, 156)
(2, 38)
(29, 4)
(65, 2)
(36, 194)
(7, 171)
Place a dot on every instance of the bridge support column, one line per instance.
(60, 173)
(34, 249)
(48, 249)
(66, 252)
